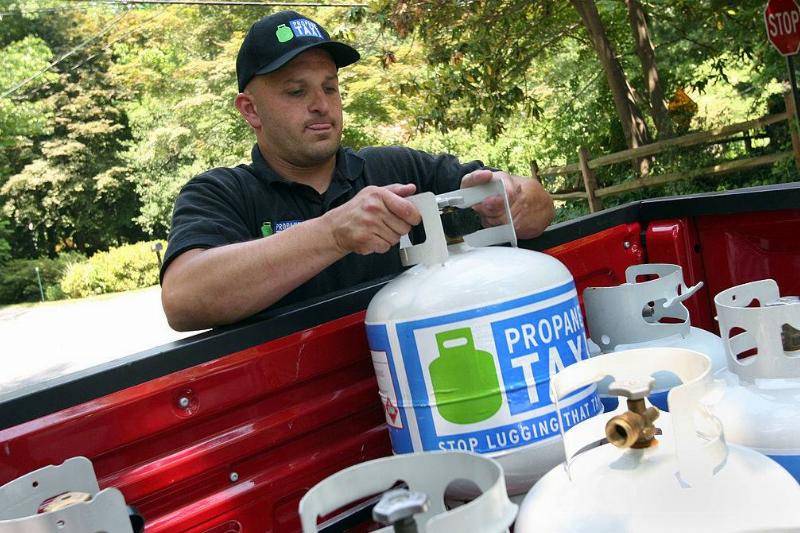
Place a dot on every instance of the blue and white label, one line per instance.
(517, 344)
(305, 28)
(789, 460)
(533, 346)
(389, 390)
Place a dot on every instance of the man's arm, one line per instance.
(531, 206)
(215, 286)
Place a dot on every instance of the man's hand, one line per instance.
(531, 207)
(374, 220)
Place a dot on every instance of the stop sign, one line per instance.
(783, 25)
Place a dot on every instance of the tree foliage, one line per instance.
(94, 150)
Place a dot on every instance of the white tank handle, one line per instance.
(668, 271)
(434, 250)
(614, 315)
(699, 442)
(426, 472)
(762, 330)
(21, 499)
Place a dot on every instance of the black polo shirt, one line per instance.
(229, 205)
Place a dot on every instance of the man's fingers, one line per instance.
(401, 207)
(397, 225)
(401, 189)
(384, 237)
(476, 177)
(492, 206)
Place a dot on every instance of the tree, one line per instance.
(647, 57)
(22, 121)
(630, 116)
(482, 57)
(73, 192)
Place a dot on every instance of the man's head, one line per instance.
(289, 92)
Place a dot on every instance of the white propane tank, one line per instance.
(629, 316)
(419, 507)
(465, 342)
(684, 479)
(64, 499)
(760, 405)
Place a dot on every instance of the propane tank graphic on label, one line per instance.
(464, 379)
(468, 339)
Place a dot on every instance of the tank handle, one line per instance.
(627, 325)
(434, 250)
(700, 446)
(426, 472)
(21, 501)
(762, 330)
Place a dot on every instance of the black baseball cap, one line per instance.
(276, 39)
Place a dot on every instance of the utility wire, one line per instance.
(44, 10)
(222, 3)
(138, 28)
(136, 3)
(84, 44)
(229, 3)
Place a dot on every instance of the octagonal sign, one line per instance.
(782, 18)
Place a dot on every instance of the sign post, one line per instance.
(782, 18)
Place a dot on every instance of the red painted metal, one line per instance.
(748, 247)
(677, 241)
(281, 415)
(600, 260)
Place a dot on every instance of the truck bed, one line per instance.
(280, 401)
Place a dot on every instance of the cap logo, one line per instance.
(284, 34)
(305, 28)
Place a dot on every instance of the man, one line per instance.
(307, 216)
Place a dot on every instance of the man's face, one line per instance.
(300, 109)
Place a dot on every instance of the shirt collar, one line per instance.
(349, 165)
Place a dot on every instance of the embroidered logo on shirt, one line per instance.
(268, 228)
(285, 224)
(305, 28)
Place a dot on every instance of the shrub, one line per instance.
(125, 268)
(18, 281)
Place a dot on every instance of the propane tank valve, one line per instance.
(634, 428)
(457, 222)
(790, 336)
(398, 507)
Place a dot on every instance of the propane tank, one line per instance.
(760, 405)
(65, 499)
(640, 470)
(419, 506)
(464, 344)
(643, 314)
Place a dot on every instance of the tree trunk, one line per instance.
(630, 116)
(647, 56)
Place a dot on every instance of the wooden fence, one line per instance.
(594, 195)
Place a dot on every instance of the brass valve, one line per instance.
(634, 428)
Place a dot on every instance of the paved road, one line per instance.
(48, 340)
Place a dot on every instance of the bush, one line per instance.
(18, 281)
(125, 268)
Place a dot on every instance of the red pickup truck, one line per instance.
(225, 431)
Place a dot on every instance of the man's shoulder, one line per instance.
(395, 152)
(240, 177)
